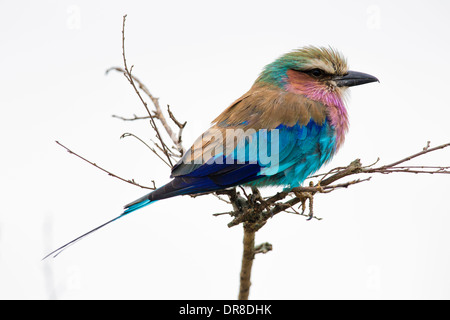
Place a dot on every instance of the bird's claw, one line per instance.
(303, 196)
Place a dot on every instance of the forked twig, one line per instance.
(128, 75)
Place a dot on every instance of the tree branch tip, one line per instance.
(108, 70)
(222, 213)
(126, 134)
(372, 164)
(263, 248)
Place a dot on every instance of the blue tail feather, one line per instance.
(128, 210)
(223, 177)
(137, 206)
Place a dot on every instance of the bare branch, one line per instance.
(126, 134)
(172, 117)
(106, 171)
(263, 248)
(135, 117)
(247, 262)
(425, 150)
(254, 209)
(130, 78)
(178, 143)
(176, 138)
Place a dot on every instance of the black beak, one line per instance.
(354, 78)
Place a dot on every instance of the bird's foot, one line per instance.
(318, 186)
(303, 196)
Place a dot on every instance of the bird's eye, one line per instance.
(316, 72)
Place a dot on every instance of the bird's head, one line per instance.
(320, 74)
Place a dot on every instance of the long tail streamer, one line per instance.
(56, 252)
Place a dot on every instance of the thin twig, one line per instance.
(178, 142)
(106, 171)
(425, 150)
(135, 117)
(126, 134)
(176, 139)
(132, 82)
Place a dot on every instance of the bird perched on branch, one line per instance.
(290, 123)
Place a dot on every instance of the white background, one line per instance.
(385, 239)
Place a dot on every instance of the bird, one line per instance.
(289, 124)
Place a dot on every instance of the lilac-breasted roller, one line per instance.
(290, 123)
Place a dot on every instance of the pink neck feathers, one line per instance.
(303, 84)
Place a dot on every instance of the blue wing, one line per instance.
(283, 156)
